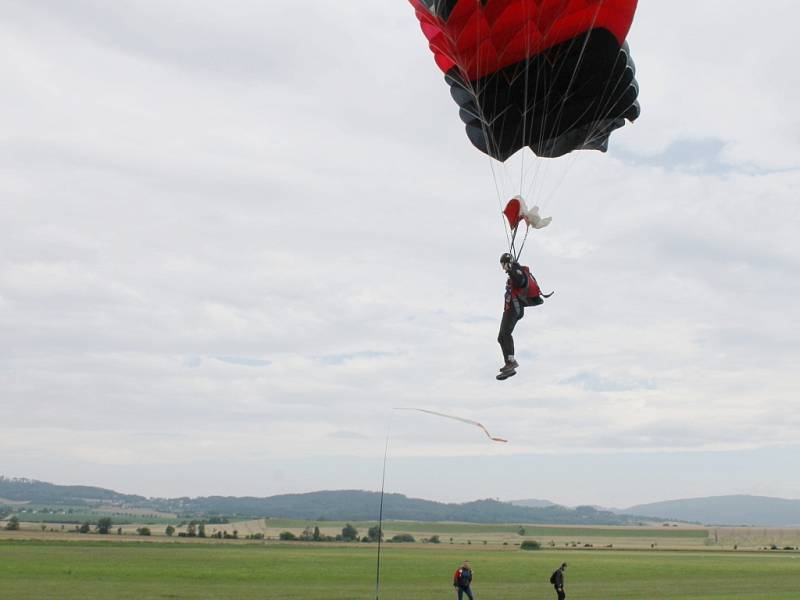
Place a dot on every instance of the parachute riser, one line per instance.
(512, 250)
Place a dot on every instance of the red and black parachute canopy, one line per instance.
(553, 75)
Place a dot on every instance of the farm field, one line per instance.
(39, 569)
(683, 537)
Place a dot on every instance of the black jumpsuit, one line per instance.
(513, 310)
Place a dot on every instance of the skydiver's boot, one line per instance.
(511, 365)
(509, 369)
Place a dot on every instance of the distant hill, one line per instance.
(757, 511)
(532, 503)
(360, 505)
(342, 505)
(40, 492)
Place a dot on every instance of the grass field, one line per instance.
(92, 517)
(101, 570)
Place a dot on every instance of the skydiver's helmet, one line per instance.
(505, 260)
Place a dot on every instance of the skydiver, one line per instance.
(521, 291)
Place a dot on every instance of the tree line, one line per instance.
(349, 534)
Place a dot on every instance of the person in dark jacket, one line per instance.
(462, 579)
(521, 291)
(558, 581)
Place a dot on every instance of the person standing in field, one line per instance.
(557, 579)
(462, 579)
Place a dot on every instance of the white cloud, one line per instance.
(219, 241)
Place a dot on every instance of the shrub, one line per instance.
(349, 533)
(530, 545)
(104, 525)
(143, 531)
(287, 536)
(403, 537)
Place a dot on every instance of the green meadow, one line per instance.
(88, 570)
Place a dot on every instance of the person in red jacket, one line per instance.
(521, 291)
(462, 579)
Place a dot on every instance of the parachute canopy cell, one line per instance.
(552, 75)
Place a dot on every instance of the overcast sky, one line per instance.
(233, 236)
